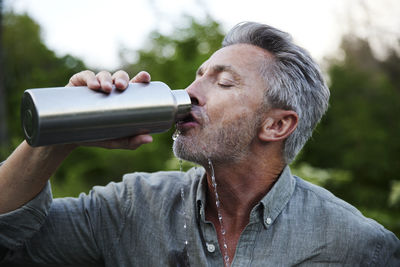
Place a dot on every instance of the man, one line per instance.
(255, 104)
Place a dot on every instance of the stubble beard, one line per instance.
(228, 143)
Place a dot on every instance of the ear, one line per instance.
(278, 125)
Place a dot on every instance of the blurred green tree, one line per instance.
(360, 133)
(3, 116)
(28, 63)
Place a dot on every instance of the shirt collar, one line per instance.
(273, 202)
(277, 198)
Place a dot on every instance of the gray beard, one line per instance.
(231, 143)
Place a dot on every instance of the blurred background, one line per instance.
(355, 151)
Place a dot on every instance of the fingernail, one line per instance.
(147, 139)
(121, 82)
(93, 84)
(107, 87)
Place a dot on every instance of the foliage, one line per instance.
(360, 131)
(174, 59)
(394, 197)
(321, 177)
(28, 63)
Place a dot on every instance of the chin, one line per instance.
(186, 149)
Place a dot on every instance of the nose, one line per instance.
(196, 93)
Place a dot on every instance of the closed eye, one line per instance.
(225, 85)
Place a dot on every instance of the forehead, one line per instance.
(244, 58)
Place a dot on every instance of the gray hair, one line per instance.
(294, 81)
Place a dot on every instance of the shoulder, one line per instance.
(317, 196)
(153, 180)
(162, 180)
(344, 227)
(333, 211)
(164, 184)
(143, 187)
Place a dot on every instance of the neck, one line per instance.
(241, 185)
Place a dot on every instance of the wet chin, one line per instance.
(220, 147)
(187, 150)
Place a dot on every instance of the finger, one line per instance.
(136, 141)
(120, 80)
(105, 80)
(122, 143)
(84, 78)
(131, 143)
(141, 77)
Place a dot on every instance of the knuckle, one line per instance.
(87, 73)
(80, 76)
(103, 73)
(73, 77)
(120, 74)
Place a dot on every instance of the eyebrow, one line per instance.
(219, 69)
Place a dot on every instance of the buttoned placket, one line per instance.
(248, 238)
(210, 239)
(246, 242)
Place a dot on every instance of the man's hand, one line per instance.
(104, 82)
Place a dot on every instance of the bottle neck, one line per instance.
(183, 103)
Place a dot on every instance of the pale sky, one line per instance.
(95, 30)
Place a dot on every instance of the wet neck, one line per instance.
(242, 185)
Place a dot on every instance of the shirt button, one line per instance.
(268, 221)
(210, 247)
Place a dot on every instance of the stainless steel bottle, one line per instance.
(77, 114)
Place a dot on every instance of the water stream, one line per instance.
(185, 226)
(220, 219)
(175, 135)
(219, 213)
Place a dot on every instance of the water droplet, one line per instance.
(220, 219)
(185, 226)
(176, 134)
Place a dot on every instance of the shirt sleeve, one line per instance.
(65, 231)
(21, 224)
(390, 250)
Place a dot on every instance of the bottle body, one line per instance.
(63, 115)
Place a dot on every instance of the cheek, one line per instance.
(225, 108)
(230, 114)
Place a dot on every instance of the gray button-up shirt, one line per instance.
(140, 222)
